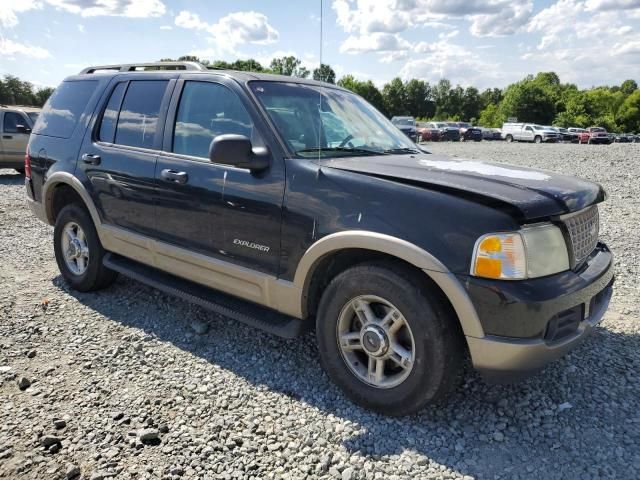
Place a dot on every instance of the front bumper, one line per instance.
(517, 317)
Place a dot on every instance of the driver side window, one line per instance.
(207, 110)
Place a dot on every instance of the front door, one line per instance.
(220, 211)
(119, 155)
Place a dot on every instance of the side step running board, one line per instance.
(247, 312)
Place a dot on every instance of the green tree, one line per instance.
(42, 95)
(491, 116)
(490, 96)
(324, 73)
(629, 113)
(289, 66)
(628, 87)
(471, 104)
(418, 99)
(395, 98)
(529, 102)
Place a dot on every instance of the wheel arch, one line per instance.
(61, 188)
(359, 246)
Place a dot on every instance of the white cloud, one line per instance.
(9, 9)
(486, 17)
(86, 8)
(568, 47)
(443, 59)
(233, 29)
(119, 8)
(9, 48)
(166, 27)
(374, 42)
(612, 4)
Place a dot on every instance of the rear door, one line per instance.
(211, 208)
(119, 154)
(15, 136)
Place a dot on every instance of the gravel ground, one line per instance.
(131, 383)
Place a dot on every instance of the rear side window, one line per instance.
(60, 115)
(110, 116)
(138, 119)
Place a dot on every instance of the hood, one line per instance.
(526, 193)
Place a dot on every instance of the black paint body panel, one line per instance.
(439, 204)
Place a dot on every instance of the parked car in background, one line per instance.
(576, 131)
(407, 125)
(426, 133)
(469, 132)
(595, 135)
(491, 133)
(528, 132)
(566, 135)
(447, 132)
(16, 123)
(636, 138)
(624, 138)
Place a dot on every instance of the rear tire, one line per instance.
(509, 138)
(421, 351)
(79, 252)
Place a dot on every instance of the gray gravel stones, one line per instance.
(234, 403)
(24, 383)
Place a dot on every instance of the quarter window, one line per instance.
(206, 111)
(11, 122)
(138, 120)
(64, 108)
(110, 116)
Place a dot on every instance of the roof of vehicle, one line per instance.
(23, 108)
(196, 68)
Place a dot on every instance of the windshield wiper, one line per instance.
(361, 151)
(402, 150)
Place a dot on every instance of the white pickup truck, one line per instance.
(528, 132)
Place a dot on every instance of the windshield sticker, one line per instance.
(484, 169)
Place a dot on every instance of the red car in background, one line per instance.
(427, 133)
(594, 135)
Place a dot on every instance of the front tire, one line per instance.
(538, 139)
(79, 252)
(387, 339)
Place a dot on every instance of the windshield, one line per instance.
(402, 121)
(33, 116)
(319, 121)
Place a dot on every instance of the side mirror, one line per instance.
(236, 150)
(23, 129)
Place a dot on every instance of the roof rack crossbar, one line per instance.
(152, 66)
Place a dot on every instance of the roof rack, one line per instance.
(141, 67)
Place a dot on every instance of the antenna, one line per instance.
(320, 88)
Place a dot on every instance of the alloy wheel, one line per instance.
(375, 341)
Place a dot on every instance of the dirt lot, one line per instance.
(131, 383)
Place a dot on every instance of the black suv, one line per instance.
(290, 204)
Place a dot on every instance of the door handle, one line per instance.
(173, 176)
(91, 159)
(7, 137)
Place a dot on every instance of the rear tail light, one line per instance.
(27, 164)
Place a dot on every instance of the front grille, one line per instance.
(583, 229)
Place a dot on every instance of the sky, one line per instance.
(487, 43)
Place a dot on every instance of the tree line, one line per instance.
(541, 99)
(14, 91)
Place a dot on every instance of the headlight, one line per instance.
(529, 253)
